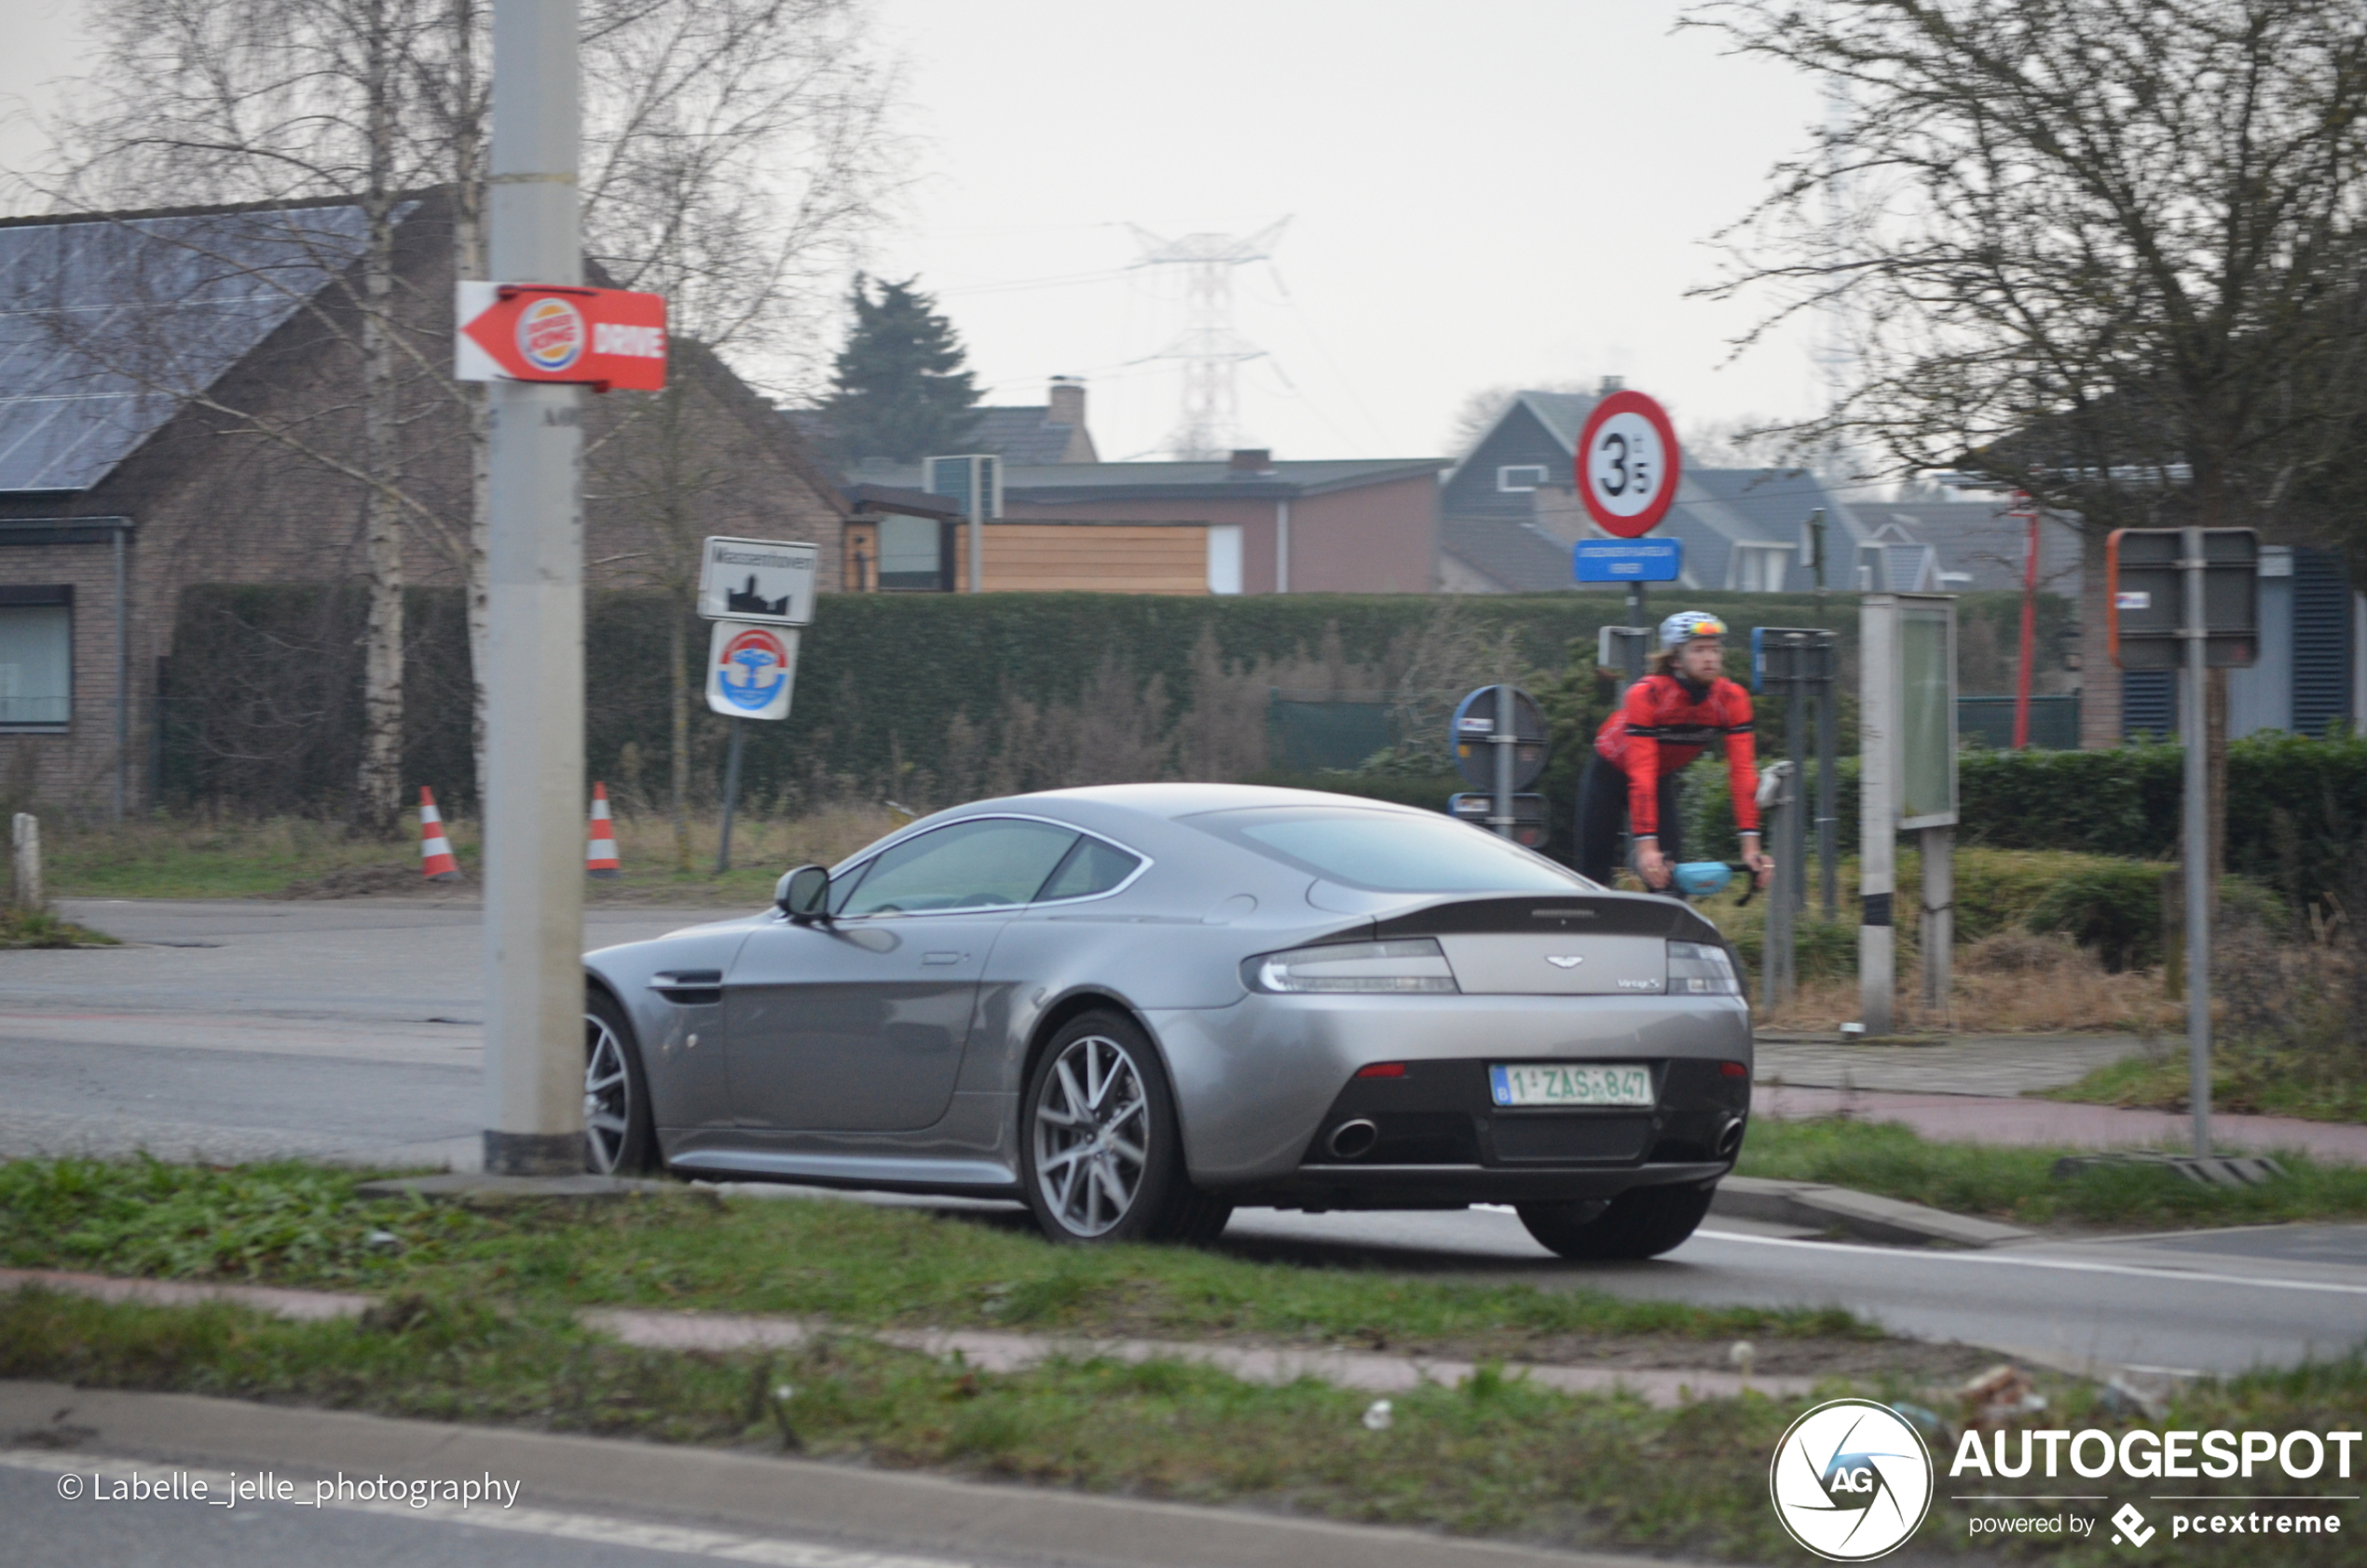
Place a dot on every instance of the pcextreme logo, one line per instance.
(1851, 1481)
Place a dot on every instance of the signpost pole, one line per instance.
(978, 531)
(731, 793)
(1791, 850)
(1635, 646)
(534, 696)
(1507, 737)
(1828, 785)
(2030, 629)
(1878, 809)
(2194, 631)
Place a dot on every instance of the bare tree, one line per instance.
(2111, 251)
(737, 153)
(2111, 247)
(277, 101)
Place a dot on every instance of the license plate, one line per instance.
(1570, 1084)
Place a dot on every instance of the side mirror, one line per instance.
(804, 894)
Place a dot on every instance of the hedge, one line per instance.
(262, 693)
(2296, 807)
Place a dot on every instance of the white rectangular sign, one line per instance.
(751, 668)
(763, 580)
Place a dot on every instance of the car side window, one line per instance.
(979, 864)
(1092, 866)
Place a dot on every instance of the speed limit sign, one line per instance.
(1627, 464)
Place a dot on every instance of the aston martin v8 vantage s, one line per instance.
(1137, 1007)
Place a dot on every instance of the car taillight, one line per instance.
(1697, 969)
(1415, 965)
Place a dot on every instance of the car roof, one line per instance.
(1172, 801)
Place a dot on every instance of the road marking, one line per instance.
(679, 1539)
(2071, 1266)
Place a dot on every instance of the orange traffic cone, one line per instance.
(435, 851)
(599, 851)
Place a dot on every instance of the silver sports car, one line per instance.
(1135, 1008)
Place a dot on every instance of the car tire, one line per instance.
(620, 1137)
(1101, 1148)
(1640, 1222)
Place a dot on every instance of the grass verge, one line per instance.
(855, 1264)
(1493, 1455)
(39, 928)
(2250, 1075)
(2019, 1185)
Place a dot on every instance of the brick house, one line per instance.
(1248, 525)
(179, 405)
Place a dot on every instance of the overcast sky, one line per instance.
(1479, 192)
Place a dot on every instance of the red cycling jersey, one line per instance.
(1662, 725)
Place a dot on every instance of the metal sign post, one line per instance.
(2212, 578)
(1906, 731)
(758, 593)
(2194, 822)
(1498, 735)
(534, 676)
(1799, 663)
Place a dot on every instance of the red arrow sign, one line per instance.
(542, 331)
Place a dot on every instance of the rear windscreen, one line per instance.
(1389, 851)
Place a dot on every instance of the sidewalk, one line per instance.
(2055, 1123)
(1973, 1089)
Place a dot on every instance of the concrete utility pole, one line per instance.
(534, 686)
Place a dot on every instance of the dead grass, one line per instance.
(2010, 983)
(211, 856)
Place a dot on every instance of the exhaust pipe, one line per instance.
(1353, 1139)
(1730, 1141)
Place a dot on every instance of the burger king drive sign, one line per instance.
(602, 338)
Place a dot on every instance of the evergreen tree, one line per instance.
(900, 387)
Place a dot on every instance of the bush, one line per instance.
(2112, 907)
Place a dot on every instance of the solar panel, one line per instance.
(107, 326)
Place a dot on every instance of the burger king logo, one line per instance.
(551, 334)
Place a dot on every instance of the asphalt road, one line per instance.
(185, 1532)
(347, 1030)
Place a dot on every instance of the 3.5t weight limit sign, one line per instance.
(1627, 464)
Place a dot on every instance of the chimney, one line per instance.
(1251, 460)
(1067, 400)
(1610, 384)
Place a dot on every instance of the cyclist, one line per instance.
(1682, 706)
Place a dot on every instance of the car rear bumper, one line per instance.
(1263, 1085)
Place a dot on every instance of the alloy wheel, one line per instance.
(1092, 1136)
(608, 1096)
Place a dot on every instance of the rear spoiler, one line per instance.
(1606, 915)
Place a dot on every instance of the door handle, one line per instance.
(942, 958)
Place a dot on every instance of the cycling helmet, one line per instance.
(1685, 625)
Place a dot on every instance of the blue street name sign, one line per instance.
(1628, 560)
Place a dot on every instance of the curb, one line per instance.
(792, 1496)
(1859, 1215)
(1000, 1350)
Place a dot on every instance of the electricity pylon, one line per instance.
(1209, 348)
